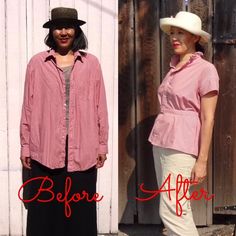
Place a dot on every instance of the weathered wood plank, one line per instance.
(4, 193)
(127, 145)
(55, 3)
(224, 137)
(16, 60)
(66, 3)
(225, 132)
(147, 80)
(82, 8)
(94, 26)
(38, 32)
(4, 203)
(115, 192)
(108, 14)
(225, 145)
(202, 210)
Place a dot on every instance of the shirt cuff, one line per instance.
(25, 152)
(102, 149)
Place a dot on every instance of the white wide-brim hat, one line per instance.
(187, 21)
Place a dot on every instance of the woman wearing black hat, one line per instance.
(64, 131)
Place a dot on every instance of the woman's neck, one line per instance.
(64, 52)
(186, 57)
(64, 59)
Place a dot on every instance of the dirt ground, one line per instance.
(153, 230)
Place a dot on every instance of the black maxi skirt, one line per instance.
(49, 218)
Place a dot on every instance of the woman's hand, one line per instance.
(26, 162)
(101, 160)
(199, 172)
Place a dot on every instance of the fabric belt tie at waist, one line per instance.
(179, 112)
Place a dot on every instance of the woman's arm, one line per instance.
(208, 106)
(25, 120)
(102, 119)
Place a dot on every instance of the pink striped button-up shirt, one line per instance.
(43, 121)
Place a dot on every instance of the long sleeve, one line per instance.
(102, 113)
(26, 113)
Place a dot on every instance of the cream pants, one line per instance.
(169, 161)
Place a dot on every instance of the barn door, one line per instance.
(225, 128)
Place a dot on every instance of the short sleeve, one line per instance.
(209, 81)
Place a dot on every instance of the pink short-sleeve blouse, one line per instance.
(177, 126)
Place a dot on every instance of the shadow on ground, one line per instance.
(157, 230)
(140, 230)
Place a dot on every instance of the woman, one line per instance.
(64, 129)
(182, 132)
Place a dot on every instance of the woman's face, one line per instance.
(182, 41)
(64, 36)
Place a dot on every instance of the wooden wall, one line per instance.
(22, 36)
(143, 61)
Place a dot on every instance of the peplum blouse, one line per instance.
(178, 124)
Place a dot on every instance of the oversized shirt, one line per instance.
(178, 124)
(43, 122)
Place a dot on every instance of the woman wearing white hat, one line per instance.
(182, 131)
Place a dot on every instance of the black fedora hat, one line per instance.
(63, 14)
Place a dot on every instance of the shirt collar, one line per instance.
(175, 59)
(51, 54)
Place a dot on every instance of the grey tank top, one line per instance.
(67, 73)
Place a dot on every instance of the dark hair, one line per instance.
(199, 47)
(80, 41)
